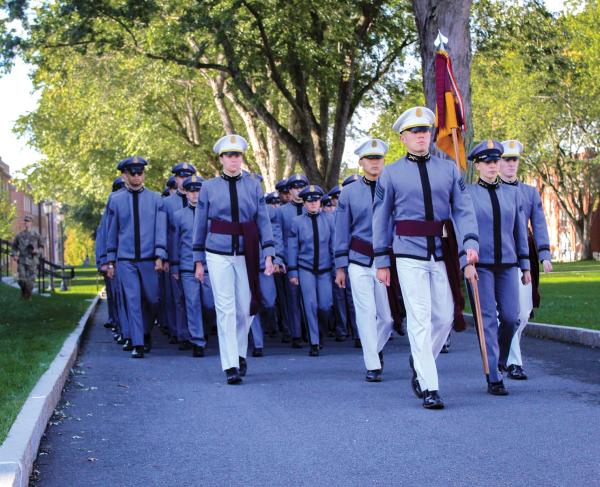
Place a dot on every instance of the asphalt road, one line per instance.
(170, 420)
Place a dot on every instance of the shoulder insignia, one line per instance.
(341, 206)
(379, 191)
(461, 184)
(200, 204)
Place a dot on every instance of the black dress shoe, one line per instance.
(373, 375)
(138, 352)
(108, 324)
(243, 366)
(197, 351)
(340, 338)
(257, 352)
(357, 343)
(414, 382)
(515, 372)
(286, 338)
(381, 359)
(127, 346)
(314, 351)
(296, 343)
(121, 340)
(444, 349)
(185, 345)
(497, 388)
(432, 400)
(233, 376)
(147, 343)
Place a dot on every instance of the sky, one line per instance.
(17, 98)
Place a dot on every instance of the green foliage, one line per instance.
(78, 246)
(7, 215)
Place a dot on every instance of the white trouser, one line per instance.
(526, 306)
(373, 316)
(229, 281)
(429, 312)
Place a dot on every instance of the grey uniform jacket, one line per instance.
(182, 258)
(502, 227)
(354, 219)
(136, 226)
(534, 213)
(172, 204)
(423, 191)
(310, 246)
(230, 199)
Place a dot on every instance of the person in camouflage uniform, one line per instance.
(25, 251)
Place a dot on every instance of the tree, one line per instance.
(7, 215)
(536, 78)
(322, 59)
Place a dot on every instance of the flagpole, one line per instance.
(440, 42)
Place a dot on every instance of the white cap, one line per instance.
(414, 117)
(512, 148)
(371, 147)
(230, 143)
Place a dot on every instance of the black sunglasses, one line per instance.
(135, 171)
(231, 154)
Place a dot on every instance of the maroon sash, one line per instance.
(534, 260)
(249, 231)
(416, 228)
(394, 292)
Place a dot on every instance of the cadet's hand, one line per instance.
(276, 268)
(282, 269)
(175, 276)
(547, 266)
(110, 271)
(383, 275)
(269, 269)
(472, 256)
(199, 271)
(103, 268)
(340, 277)
(166, 266)
(294, 281)
(471, 273)
(526, 279)
(158, 265)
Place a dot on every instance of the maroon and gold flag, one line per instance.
(449, 112)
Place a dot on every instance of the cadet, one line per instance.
(272, 199)
(265, 321)
(539, 249)
(342, 297)
(283, 190)
(354, 252)
(502, 250)
(230, 227)
(136, 241)
(25, 251)
(182, 265)
(172, 185)
(416, 196)
(110, 284)
(327, 204)
(310, 262)
(287, 213)
(175, 302)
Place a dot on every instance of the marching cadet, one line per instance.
(416, 196)
(109, 284)
(327, 204)
(354, 252)
(502, 250)
(342, 297)
(172, 185)
(273, 200)
(310, 262)
(287, 213)
(136, 243)
(175, 302)
(231, 226)
(265, 321)
(283, 190)
(182, 265)
(25, 252)
(539, 249)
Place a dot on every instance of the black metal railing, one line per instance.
(47, 271)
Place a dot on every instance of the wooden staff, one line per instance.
(473, 282)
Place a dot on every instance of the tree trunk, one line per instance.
(451, 17)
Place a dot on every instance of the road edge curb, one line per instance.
(19, 450)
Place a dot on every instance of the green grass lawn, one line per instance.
(570, 295)
(31, 334)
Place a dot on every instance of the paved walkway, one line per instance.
(170, 420)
